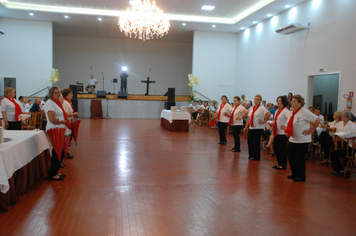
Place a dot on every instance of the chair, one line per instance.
(350, 155)
(205, 118)
(30, 123)
(39, 119)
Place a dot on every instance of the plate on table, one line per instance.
(7, 139)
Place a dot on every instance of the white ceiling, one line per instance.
(89, 26)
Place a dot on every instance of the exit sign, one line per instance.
(351, 94)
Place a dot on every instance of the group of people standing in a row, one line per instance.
(292, 123)
(59, 112)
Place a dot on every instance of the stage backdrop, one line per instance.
(167, 63)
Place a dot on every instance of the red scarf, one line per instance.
(232, 115)
(18, 110)
(71, 106)
(289, 129)
(253, 113)
(64, 113)
(221, 107)
(275, 121)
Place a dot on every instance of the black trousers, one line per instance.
(280, 149)
(222, 127)
(123, 84)
(55, 163)
(14, 125)
(236, 129)
(296, 156)
(254, 143)
(335, 158)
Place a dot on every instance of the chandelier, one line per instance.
(144, 21)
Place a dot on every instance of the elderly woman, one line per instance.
(325, 138)
(346, 126)
(56, 118)
(299, 132)
(222, 114)
(11, 110)
(258, 115)
(280, 139)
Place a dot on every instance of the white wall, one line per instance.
(26, 54)
(170, 63)
(214, 63)
(274, 64)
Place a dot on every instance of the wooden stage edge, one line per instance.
(179, 98)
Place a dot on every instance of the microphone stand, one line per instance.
(103, 80)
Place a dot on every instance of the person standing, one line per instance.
(236, 122)
(123, 77)
(280, 139)
(255, 125)
(91, 84)
(299, 132)
(222, 115)
(11, 110)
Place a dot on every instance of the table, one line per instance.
(96, 109)
(175, 121)
(23, 160)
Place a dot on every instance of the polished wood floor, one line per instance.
(131, 177)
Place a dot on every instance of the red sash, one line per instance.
(289, 129)
(253, 113)
(231, 121)
(71, 106)
(64, 113)
(18, 110)
(221, 107)
(275, 121)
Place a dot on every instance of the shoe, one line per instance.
(69, 156)
(280, 168)
(325, 162)
(271, 154)
(275, 166)
(60, 175)
(235, 150)
(253, 159)
(250, 158)
(56, 179)
(290, 177)
(338, 172)
(62, 165)
(222, 143)
(298, 179)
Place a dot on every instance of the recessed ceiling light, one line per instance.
(254, 22)
(31, 14)
(184, 24)
(66, 17)
(213, 26)
(269, 15)
(208, 8)
(287, 6)
(99, 19)
(242, 28)
(132, 2)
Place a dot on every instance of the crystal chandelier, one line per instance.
(144, 21)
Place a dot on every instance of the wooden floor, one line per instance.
(131, 177)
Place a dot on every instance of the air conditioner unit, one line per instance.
(295, 27)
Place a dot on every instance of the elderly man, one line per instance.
(22, 103)
(91, 84)
(36, 106)
(317, 112)
(244, 99)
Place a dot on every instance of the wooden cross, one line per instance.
(148, 84)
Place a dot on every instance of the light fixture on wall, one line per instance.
(144, 21)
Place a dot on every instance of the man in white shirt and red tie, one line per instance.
(222, 114)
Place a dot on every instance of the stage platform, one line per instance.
(134, 107)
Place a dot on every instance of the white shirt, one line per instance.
(282, 120)
(28, 107)
(238, 113)
(52, 106)
(9, 108)
(22, 105)
(92, 81)
(68, 108)
(321, 119)
(348, 130)
(259, 115)
(42, 103)
(301, 122)
(245, 100)
(226, 109)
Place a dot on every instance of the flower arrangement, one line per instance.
(54, 78)
(193, 81)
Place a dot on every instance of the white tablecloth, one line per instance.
(24, 146)
(170, 116)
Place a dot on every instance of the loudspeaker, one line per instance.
(75, 105)
(101, 94)
(122, 94)
(168, 105)
(74, 89)
(171, 94)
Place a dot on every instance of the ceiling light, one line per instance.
(242, 28)
(208, 8)
(184, 24)
(100, 19)
(213, 26)
(31, 14)
(132, 2)
(254, 22)
(144, 20)
(287, 6)
(269, 15)
(66, 17)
